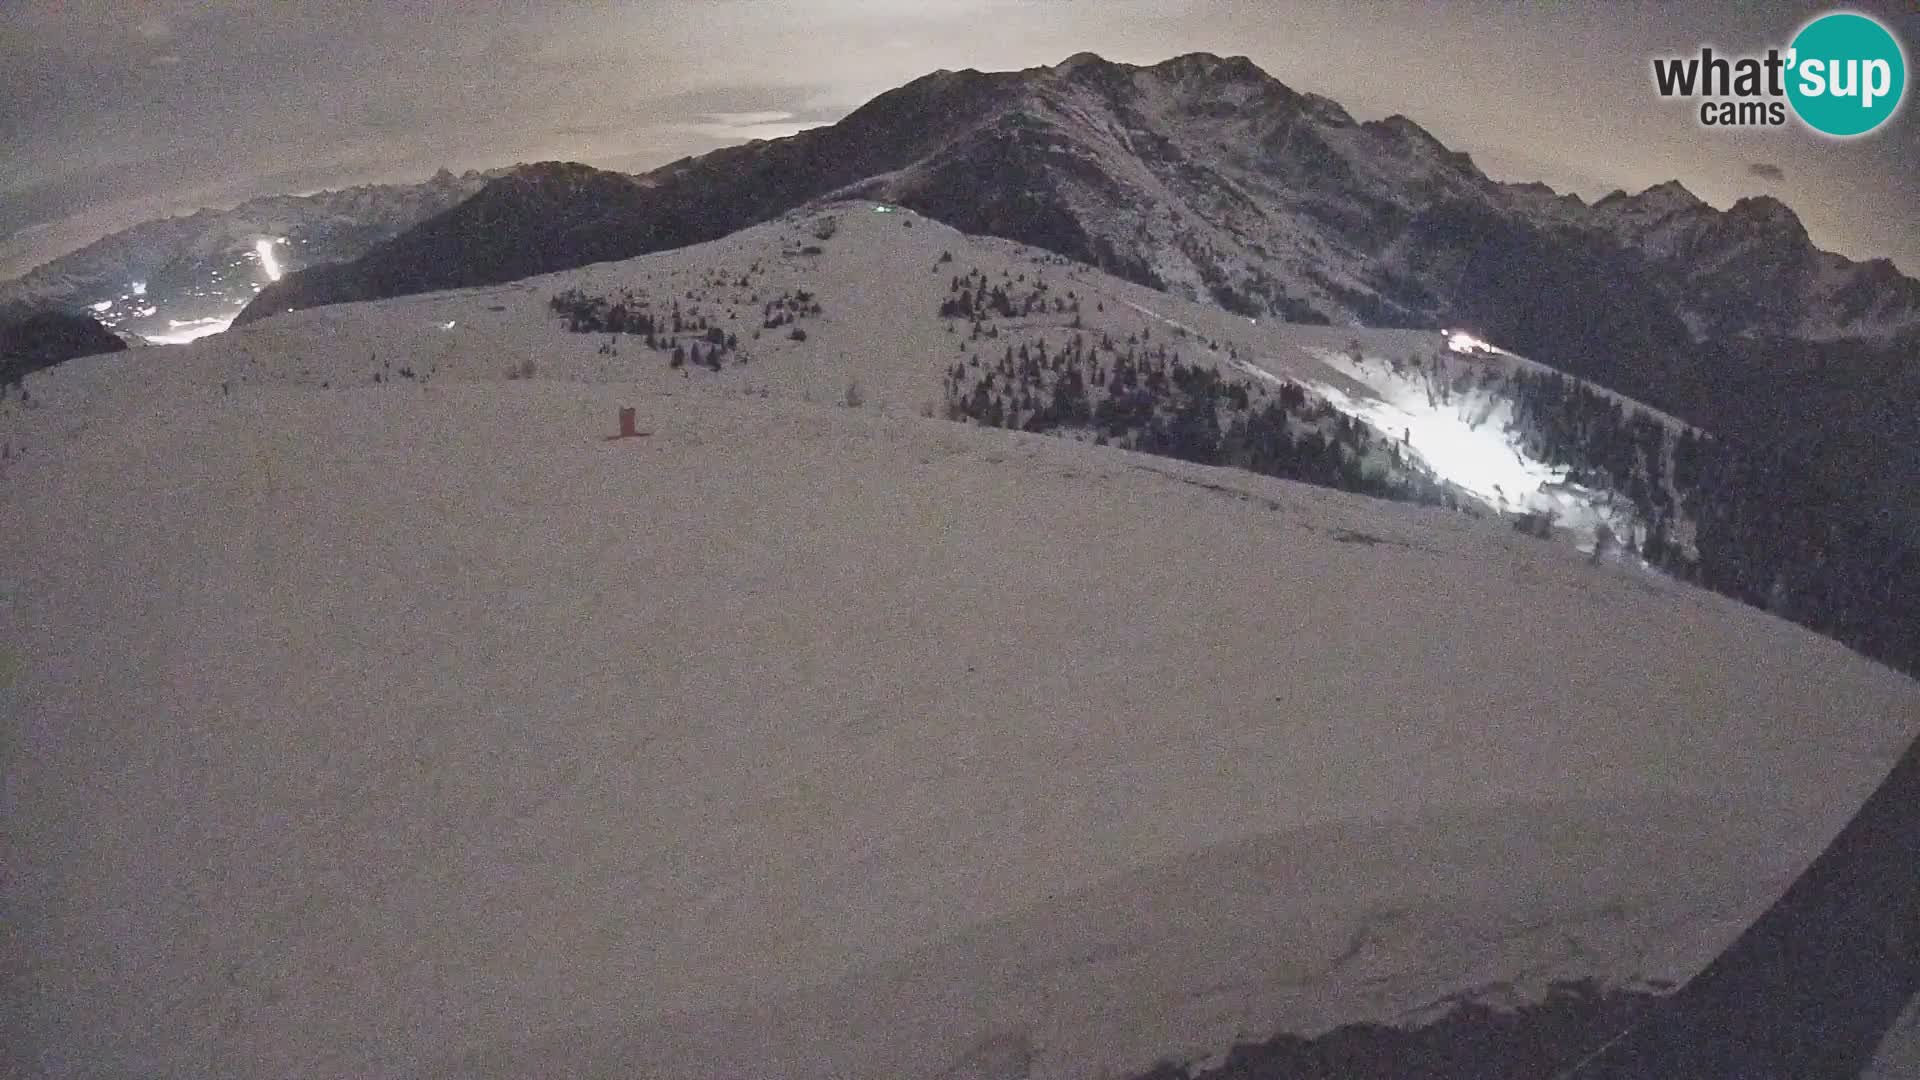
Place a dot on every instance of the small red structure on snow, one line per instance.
(626, 427)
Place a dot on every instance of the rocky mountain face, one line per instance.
(1752, 269)
(203, 267)
(1207, 178)
(1201, 175)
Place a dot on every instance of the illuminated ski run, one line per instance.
(264, 248)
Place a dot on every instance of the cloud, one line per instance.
(154, 28)
(380, 117)
(1766, 170)
(743, 119)
(732, 133)
(732, 127)
(586, 131)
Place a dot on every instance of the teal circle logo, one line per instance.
(1847, 74)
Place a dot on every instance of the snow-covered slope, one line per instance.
(880, 284)
(1432, 403)
(412, 726)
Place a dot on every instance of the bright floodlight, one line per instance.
(102, 305)
(1464, 439)
(1461, 342)
(264, 248)
(189, 330)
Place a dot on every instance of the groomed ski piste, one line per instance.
(416, 727)
(1390, 380)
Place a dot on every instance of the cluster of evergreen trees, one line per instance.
(686, 334)
(1607, 446)
(971, 297)
(1765, 532)
(789, 307)
(1141, 395)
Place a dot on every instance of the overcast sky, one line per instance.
(112, 113)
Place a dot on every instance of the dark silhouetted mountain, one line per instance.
(34, 338)
(552, 216)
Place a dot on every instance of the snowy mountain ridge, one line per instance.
(1417, 421)
(1205, 175)
(916, 319)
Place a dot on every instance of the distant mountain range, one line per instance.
(1200, 175)
(181, 277)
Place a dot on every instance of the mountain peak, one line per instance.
(1657, 203)
(1081, 60)
(1406, 130)
(1404, 124)
(1090, 68)
(539, 169)
(1764, 209)
(1771, 218)
(1331, 113)
(1672, 194)
(1211, 65)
